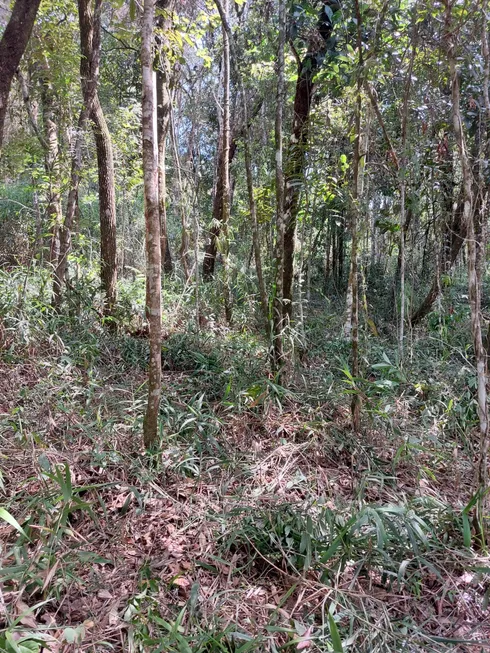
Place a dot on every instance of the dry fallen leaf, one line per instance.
(104, 594)
(305, 641)
(27, 618)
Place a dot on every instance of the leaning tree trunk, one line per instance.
(296, 157)
(152, 222)
(12, 46)
(90, 49)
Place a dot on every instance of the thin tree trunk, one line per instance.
(211, 248)
(356, 398)
(225, 249)
(474, 290)
(184, 243)
(305, 87)
(12, 46)
(107, 207)
(52, 167)
(71, 206)
(248, 169)
(164, 99)
(152, 222)
(403, 187)
(278, 293)
(90, 29)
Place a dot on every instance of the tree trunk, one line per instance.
(164, 101)
(152, 222)
(248, 170)
(90, 29)
(356, 196)
(297, 148)
(107, 207)
(278, 292)
(211, 248)
(225, 249)
(52, 167)
(474, 290)
(184, 243)
(403, 186)
(12, 46)
(71, 206)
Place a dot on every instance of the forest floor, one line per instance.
(260, 522)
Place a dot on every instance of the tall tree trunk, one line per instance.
(52, 167)
(237, 132)
(12, 46)
(278, 292)
(356, 197)
(90, 29)
(225, 179)
(107, 207)
(184, 243)
(71, 206)
(403, 188)
(164, 101)
(152, 222)
(296, 157)
(474, 290)
(248, 169)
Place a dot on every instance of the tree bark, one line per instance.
(356, 197)
(52, 167)
(296, 156)
(278, 291)
(164, 106)
(12, 46)
(248, 169)
(474, 290)
(71, 206)
(90, 29)
(211, 248)
(152, 223)
(403, 188)
(107, 207)
(225, 179)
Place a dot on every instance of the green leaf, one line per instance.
(10, 519)
(334, 634)
(466, 530)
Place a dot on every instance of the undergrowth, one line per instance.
(260, 522)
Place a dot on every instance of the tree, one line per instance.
(12, 46)
(474, 283)
(90, 44)
(164, 107)
(225, 173)
(278, 291)
(296, 156)
(152, 222)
